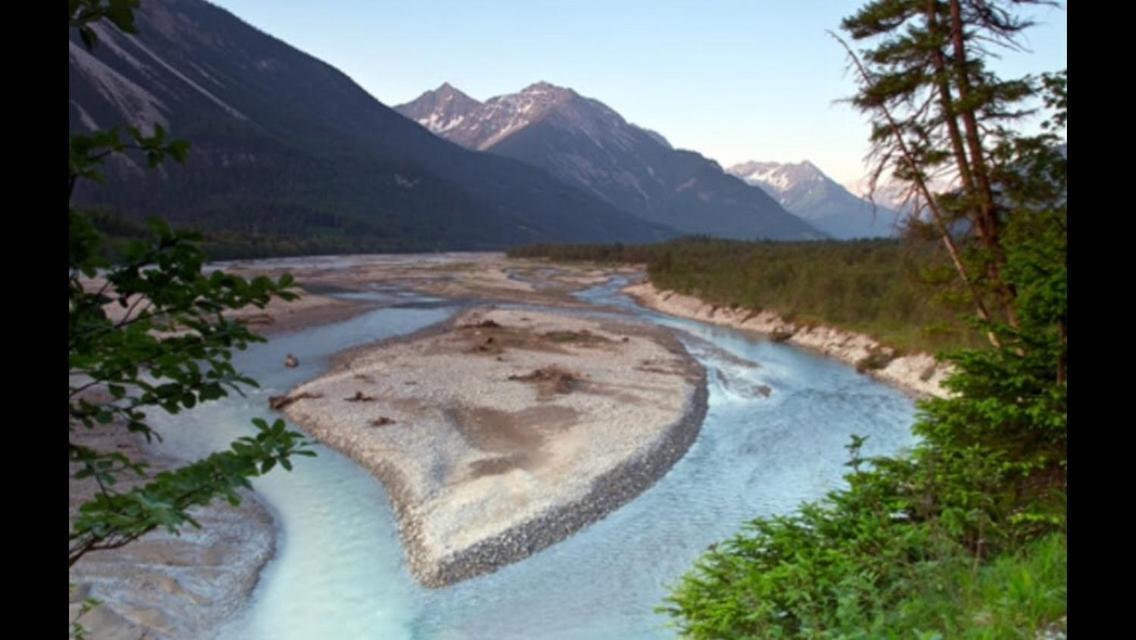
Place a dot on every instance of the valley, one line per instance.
(592, 454)
(645, 323)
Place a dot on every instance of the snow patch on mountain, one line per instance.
(885, 194)
(806, 191)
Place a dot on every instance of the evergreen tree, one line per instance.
(965, 537)
(939, 115)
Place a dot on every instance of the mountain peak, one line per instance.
(781, 174)
(440, 109)
(545, 93)
(542, 86)
(395, 186)
(805, 190)
(447, 91)
(589, 145)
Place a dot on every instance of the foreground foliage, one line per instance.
(965, 537)
(151, 332)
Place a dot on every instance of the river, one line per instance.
(339, 569)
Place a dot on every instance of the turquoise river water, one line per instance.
(339, 569)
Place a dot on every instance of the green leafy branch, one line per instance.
(88, 151)
(112, 520)
(152, 331)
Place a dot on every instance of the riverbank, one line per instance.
(165, 586)
(507, 431)
(309, 310)
(918, 373)
(278, 316)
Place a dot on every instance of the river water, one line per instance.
(339, 569)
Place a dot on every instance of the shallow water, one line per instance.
(340, 572)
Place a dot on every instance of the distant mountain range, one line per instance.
(889, 194)
(586, 144)
(286, 145)
(806, 191)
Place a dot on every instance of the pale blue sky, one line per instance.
(731, 79)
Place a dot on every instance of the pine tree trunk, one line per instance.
(987, 218)
(925, 191)
(946, 102)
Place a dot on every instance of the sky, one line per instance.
(734, 80)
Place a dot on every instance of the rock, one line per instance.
(780, 334)
(877, 358)
(360, 397)
(551, 378)
(1055, 631)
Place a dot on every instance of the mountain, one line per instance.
(806, 191)
(586, 144)
(888, 194)
(441, 110)
(286, 145)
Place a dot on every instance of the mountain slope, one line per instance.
(806, 191)
(586, 144)
(887, 194)
(286, 144)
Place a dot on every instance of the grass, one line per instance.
(1014, 596)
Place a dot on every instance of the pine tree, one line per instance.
(939, 115)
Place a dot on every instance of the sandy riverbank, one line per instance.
(919, 373)
(164, 586)
(509, 430)
(310, 309)
(278, 316)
